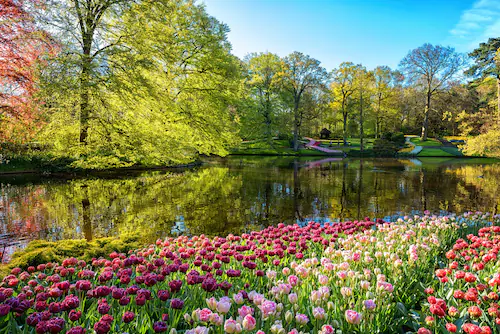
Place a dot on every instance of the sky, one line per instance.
(370, 32)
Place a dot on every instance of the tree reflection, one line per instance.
(235, 196)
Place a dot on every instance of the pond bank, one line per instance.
(21, 166)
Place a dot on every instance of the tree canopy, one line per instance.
(113, 83)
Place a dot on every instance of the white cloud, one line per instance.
(476, 25)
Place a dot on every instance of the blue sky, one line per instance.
(370, 32)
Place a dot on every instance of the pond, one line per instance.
(240, 194)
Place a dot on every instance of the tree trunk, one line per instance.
(84, 93)
(498, 100)
(377, 120)
(296, 126)
(267, 117)
(361, 132)
(425, 124)
(344, 114)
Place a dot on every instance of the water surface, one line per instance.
(240, 194)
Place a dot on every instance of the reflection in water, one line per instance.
(240, 194)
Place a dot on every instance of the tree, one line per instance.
(383, 76)
(487, 64)
(485, 144)
(363, 80)
(263, 82)
(343, 87)
(431, 67)
(300, 73)
(89, 31)
(162, 89)
(21, 46)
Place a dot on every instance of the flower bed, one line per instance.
(354, 277)
(466, 297)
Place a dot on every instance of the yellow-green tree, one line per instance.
(162, 89)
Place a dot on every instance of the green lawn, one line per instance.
(428, 142)
(453, 150)
(434, 152)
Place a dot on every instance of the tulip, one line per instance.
(223, 306)
(319, 313)
(352, 317)
(160, 327)
(248, 322)
(231, 326)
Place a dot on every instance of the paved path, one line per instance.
(416, 149)
(315, 145)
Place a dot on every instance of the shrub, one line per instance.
(384, 148)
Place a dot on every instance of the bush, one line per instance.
(286, 136)
(398, 138)
(384, 148)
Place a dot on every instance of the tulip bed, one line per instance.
(350, 277)
(466, 298)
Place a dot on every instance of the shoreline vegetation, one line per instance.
(40, 164)
(415, 274)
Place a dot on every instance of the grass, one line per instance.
(429, 142)
(434, 152)
(279, 148)
(453, 150)
(278, 151)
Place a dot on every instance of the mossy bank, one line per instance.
(41, 251)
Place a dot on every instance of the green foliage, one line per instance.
(385, 148)
(398, 138)
(486, 144)
(167, 95)
(485, 59)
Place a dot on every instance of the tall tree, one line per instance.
(432, 67)
(363, 80)
(21, 46)
(343, 87)
(300, 73)
(382, 89)
(263, 81)
(89, 31)
(161, 89)
(487, 64)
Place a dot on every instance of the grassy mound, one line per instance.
(40, 251)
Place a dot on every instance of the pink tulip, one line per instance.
(245, 310)
(301, 319)
(319, 313)
(231, 326)
(268, 308)
(352, 317)
(212, 303)
(248, 322)
(223, 306)
(292, 298)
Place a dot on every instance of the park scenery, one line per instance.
(174, 166)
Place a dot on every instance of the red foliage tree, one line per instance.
(21, 46)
